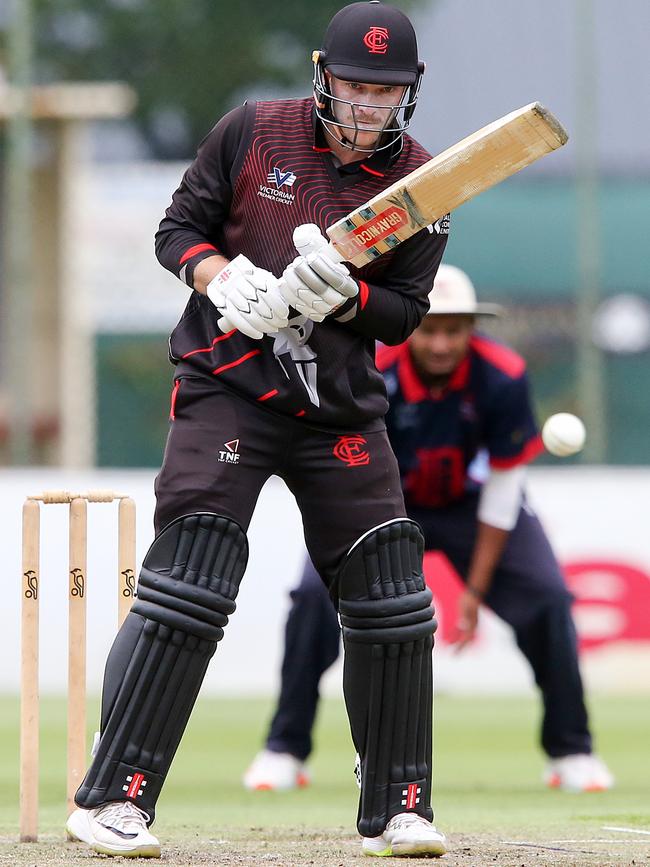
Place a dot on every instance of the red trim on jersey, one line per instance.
(268, 394)
(301, 413)
(364, 293)
(502, 357)
(528, 453)
(172, 408)
(197, 248)
(372, 171)
(386, 356)
(214, 342)
(237, 361)
(459, 378)
(415, 390)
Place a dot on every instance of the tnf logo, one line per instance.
(134, 785)
(280, 178)
(230, 453)
(411, 796)
(376, 40)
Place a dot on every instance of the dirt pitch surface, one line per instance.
(337, 849)
(487, 792)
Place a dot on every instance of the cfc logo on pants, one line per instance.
(351, 450)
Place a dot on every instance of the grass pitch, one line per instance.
(487, 794)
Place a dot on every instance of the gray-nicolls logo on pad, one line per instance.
(230, 453)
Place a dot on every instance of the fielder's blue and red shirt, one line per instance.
(437, 434)
(264, 169)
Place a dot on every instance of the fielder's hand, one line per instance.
(314, 284)
(248, 298)
(467, 622)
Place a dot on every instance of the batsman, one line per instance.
(275, 375)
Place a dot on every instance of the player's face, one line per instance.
(440, 343)
(366, 108)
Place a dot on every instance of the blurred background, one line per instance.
(121, 93)
(102, 105)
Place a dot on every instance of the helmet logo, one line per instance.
(376, 40)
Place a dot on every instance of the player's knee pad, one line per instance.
(187, 589)
(388, 624)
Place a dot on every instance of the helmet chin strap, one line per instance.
(347, 143)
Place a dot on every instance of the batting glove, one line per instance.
(248, 298)
(316, 286)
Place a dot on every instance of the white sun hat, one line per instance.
(453, 292)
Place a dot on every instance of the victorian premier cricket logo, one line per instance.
(274, 190)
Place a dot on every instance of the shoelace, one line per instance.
(407, 820)
(124, 815)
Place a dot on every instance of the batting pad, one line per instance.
(388, 625)
(187, 589)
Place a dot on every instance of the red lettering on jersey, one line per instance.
(438, 478)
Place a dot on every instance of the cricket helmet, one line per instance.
(371, 43)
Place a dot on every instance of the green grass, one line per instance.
(486, 779)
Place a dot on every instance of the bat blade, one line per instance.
(478, 162)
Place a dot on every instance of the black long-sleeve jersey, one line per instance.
(264, 169)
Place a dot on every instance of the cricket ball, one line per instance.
(563, 434)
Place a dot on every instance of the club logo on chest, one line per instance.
(278, 185)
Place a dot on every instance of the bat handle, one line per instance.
(308, 238)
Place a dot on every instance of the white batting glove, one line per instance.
(316, 286)
(248, 298)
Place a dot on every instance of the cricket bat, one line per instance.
(478, 162)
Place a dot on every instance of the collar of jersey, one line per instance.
(415, 390)
(376, 164)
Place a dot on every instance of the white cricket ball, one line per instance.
(563, 434)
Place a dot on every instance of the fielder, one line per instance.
(278, 377)
(455, 397)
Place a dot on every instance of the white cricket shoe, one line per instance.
(271, 771)
(117, 828)
(581, 772)
(406, 834)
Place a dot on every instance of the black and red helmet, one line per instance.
(373, 43)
